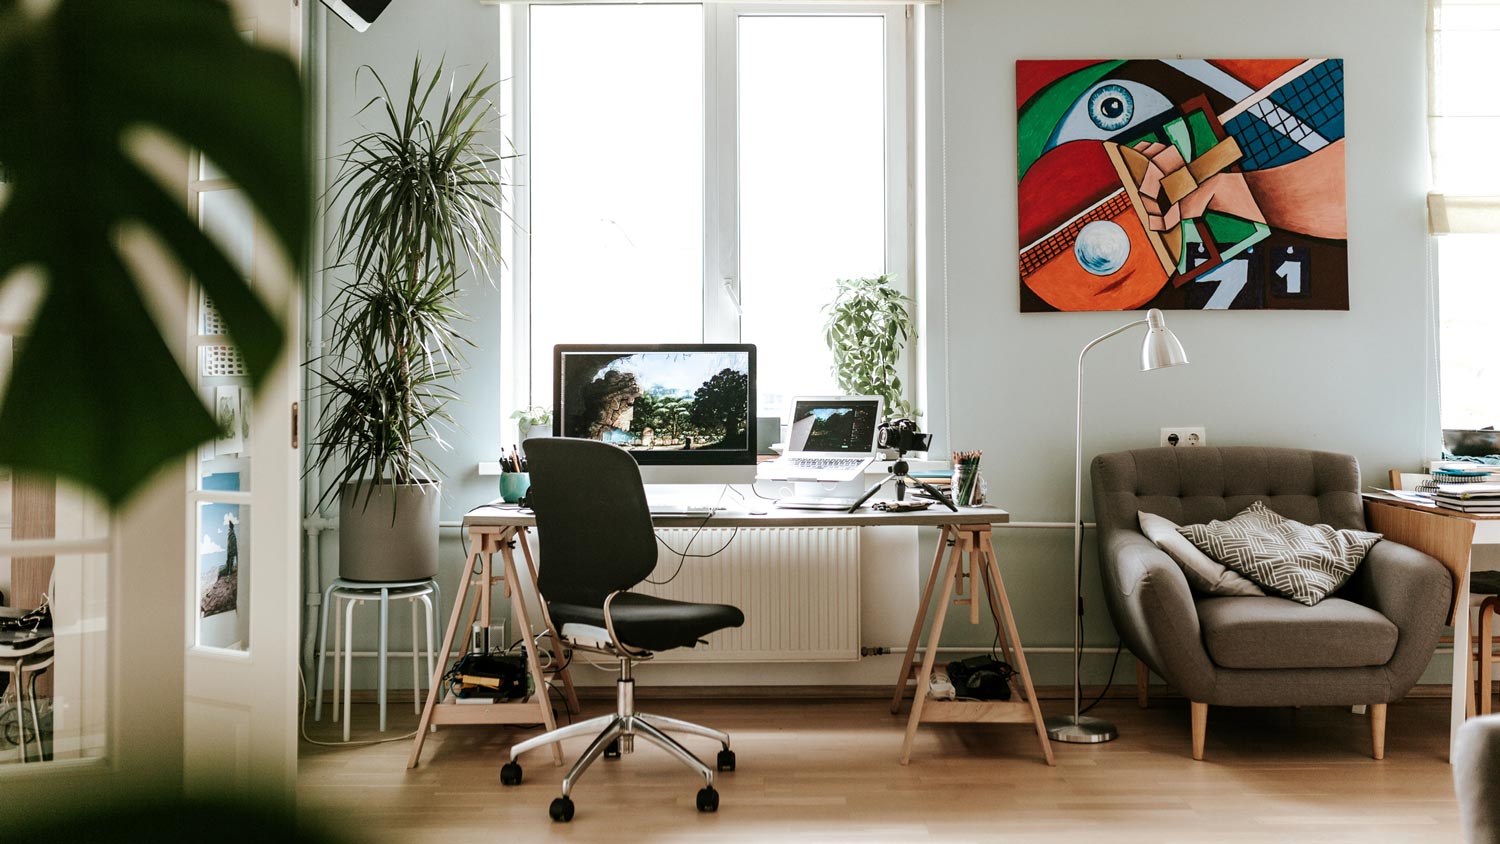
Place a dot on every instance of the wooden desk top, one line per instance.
(496, 514)
(1442, 511)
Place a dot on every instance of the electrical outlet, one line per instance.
(1186, 437)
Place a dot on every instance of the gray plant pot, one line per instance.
(377, 548)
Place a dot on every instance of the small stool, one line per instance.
(353, 592)
(24, 662)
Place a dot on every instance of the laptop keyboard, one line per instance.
(826, 462)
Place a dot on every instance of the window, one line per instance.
(1465, 206)
(703, 173)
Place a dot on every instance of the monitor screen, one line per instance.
(683, 404)
(845, 426)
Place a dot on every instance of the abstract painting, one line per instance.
(1182, 184)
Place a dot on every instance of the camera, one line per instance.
(903, 435)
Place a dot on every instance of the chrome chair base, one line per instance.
(615, 735)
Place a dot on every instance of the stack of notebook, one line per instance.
(1470, 498)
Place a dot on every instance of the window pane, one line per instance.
(1470, 298)
(53, 661)
(616, 158)
(812, 185)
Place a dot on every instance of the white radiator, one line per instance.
(798, 588)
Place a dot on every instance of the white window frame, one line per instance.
(721, 267)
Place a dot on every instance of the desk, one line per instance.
(494, 528)
(1447, 535)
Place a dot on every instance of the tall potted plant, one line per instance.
(423, 206)
(869, 324)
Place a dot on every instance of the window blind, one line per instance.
(1464, 115)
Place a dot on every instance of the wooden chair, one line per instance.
(1483, 600)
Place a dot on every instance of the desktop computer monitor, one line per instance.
(665, 404)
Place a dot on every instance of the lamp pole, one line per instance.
(1160, 349)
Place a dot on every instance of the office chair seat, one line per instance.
(651, 623)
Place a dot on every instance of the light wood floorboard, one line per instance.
(827, 771)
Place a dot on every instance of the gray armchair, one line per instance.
(1366, 644)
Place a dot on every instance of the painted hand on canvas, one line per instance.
(1182, 184)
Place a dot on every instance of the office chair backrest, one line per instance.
(592, 519)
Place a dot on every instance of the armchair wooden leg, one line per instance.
(1142, 680)
(1200, 728)
(1377, 730)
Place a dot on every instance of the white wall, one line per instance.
(1357, 381)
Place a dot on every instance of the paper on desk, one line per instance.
(1407, 496)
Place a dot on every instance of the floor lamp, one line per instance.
(1160, 349)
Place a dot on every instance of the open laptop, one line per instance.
(832, 438)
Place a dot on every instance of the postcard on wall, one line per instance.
(1184, 184)
(231, 438)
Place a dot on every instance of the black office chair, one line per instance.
(596, 543)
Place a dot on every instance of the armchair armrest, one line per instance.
(1152, 607)
(1414, 591)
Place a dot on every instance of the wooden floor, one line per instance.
(828, 771)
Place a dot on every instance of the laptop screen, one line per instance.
(842, 426)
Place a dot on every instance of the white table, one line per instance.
(1448, 535)
(496, 528)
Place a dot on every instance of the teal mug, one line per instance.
(513, 486)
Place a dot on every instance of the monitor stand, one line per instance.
(819, 489)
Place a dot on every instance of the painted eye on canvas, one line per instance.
(1111, 107)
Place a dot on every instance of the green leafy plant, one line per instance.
(535, 416)
(96, 394)
(869, 324)
(423, 204)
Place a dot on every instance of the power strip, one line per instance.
(940, 688)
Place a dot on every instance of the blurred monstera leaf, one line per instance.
(95, 394)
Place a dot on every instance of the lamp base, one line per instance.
(1080, 730)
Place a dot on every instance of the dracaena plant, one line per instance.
(422, 201)
(869, 324)
(95, 394)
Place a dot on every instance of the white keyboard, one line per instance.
(683, 510)
(826, 462)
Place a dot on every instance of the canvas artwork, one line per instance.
(1182, 184)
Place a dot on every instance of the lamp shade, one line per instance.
(1160, 348)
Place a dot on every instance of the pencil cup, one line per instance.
(513, 486)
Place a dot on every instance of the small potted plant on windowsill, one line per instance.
(534, 421)
(869, 324)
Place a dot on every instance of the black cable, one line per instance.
(1110, 682)
(683, 554)
(757, 492)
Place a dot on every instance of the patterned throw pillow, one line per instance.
(1302, 562)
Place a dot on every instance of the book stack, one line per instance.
(1468, 498)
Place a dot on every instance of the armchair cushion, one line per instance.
(1276, 633)
(1303, 562)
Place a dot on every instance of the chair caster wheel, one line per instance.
(612, 751)
(561, 809)
(510, 774)
(708, 799)
(726, 760)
